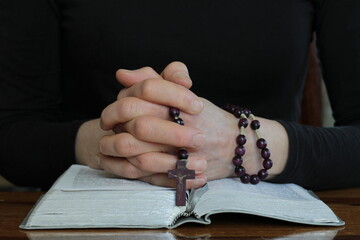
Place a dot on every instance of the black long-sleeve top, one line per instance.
(58, 59)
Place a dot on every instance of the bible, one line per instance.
(88, 198)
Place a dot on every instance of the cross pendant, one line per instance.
(181, 173)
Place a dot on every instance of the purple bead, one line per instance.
(227, 107)
(265, 153)
(245, 178)
(239, 171)
(267, 164)
(255, 124)
(261, 143)
(238, 111)
(241, 139)
(254, 179)
(183, 154)
(239, 151)
(263, 174)
(247, 112)
(174, 112)
(230, 107)
(237, 161)
(179, 121)
(243, 122)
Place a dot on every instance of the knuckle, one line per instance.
(104, 123)
(142, 128)
(127, 108)
(131, 172)
(181, 139)
(148, 88)
(143, 162)
(125, 146)
(122, 93)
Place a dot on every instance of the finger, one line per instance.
(163, 180)
(178, 73)
(158, 162)
(130, 77)
(121, 167)
(156, 130)
(125, 109)
(166, 93)
(126, 145)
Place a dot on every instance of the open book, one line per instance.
(87, 198)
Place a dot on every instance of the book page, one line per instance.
(104, 209)
(101, 235)
(79, 177)
(280, 201)
(89, 198)
(270, 190)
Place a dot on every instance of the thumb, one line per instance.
(178, 73)
(129, 77)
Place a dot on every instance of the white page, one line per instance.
(85, 197)
(88, 209)
(79, 177)
(280, 201)
(270, 190)
(101, 235)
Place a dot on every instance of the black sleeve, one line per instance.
(322, 158)
(35, 145)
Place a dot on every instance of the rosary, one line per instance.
(182, 173)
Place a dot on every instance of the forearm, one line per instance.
(34, 153)
(322, 158)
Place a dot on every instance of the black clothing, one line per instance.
(58, 59)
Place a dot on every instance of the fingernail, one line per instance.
(199, 182)
(183, 75)
(198, 140)
(125, 70)
(197, 105)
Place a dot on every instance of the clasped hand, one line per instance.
(146, 140)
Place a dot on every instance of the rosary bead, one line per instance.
(265, 153)
(240, 171)
(183, 154)
(238, 111)
(267, 164)
(247, 112)
(245, 178)
(243, 122)
(237, 161)
(255, 124)
(241, 139)
(263, 174)
(240, 151)
(254, 179)
(174, 112)
(261, 143)
(244, 114)
(179, 121)
(230, 108)
(227, 107)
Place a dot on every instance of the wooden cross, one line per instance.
(181, 173)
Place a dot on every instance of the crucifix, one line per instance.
(181, 173)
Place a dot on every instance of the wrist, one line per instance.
(252, 160)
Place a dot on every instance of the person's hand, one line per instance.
(150, 157)
(147, 141)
